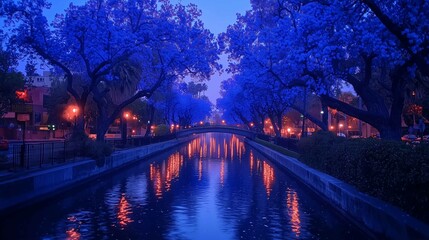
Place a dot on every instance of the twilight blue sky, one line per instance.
(216, 15)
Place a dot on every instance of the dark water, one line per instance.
(215, 187)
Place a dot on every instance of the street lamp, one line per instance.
(339, 127)
(124, 131)
(75, 110)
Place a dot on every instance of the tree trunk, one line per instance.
(150, 122)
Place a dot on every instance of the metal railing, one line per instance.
(40, 154)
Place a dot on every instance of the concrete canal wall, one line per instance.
(375, 214)
(26, 190)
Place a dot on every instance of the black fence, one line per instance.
(40, 154)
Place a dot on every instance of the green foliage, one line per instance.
(10, 80)
(97, 150)
(83, 146)
(162, 130)
(277, 148)
(318, 146)
(389, 170)
(57, 101)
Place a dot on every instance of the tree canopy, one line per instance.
(115, 51)
(380, 49)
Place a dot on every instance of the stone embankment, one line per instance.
(376, 215)
(25, 190)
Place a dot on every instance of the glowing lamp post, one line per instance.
(339, 127)
(75, 110)
(124, 118)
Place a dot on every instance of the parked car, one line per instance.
(4, 144)
(341, 135)
(409, 138)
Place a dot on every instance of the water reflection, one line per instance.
(213, 187)
(162, 174)
(124, 211)
(293, 211)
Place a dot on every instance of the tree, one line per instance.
(108, 43)
(324, 45)
(10, 80)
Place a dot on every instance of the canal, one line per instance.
(215, 187)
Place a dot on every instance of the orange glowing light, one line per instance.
(23, 95)
(293, 211)
(268, 177)
(124, 210)
(73, 234)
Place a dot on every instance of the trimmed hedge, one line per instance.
(392, 171)
(277, 148)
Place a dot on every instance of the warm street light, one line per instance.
(75, 110)
(339, 127)
(223, 121)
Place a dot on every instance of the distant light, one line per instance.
(288, 130)
(322, 112)
(341, 125)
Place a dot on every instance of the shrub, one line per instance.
(277, 148)
(162, 130)
(389, 170)
(3, 157)
(316, 147)
(97, 150)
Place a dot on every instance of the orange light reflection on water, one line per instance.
(163, 174)
(268, 176)
(292, 203)
(73, 233)
(124, 210)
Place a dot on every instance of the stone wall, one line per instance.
(26, 190)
